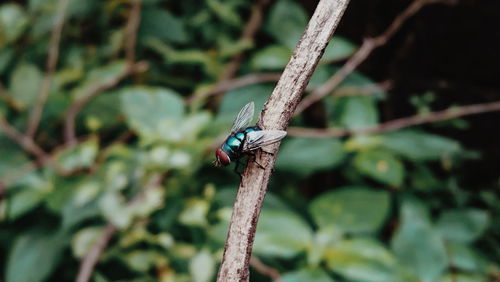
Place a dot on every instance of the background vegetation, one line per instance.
(110, 112)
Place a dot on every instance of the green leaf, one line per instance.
(24, 201)
(287, 21)
(202, 267)
(304, 156)
(160, 23)
(37, 251)
(208, 60)
(13, 21)
(102, 112)
(338, 49)
(13, 158)
(149, 109)
(417, 245)
(281, 234)
(85, 239)
(25, 84)
(195, 213)
(315, 275)
(236, 99)
(226, 11)
(417, 145)
(77, 157)
(33, 188)
(362, 260)
(381, 166)
(465, 258)
(273, 57)
(99, 76)
(463, 277)
(355, 209)
(113, 207)
(80, 204)
(465, 225)
(6, 56)
(140, 261)
(356, 112)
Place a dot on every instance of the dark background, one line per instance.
(450, 50)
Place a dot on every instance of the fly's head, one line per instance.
(221, 158)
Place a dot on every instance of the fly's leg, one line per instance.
(238, 163)
(255, 160)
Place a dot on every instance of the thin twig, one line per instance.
(132, 67)
(52, 58)
(231, 69)
(131, 31)
(398, 123)
(90, 260)
(235, 83)
(7, 97)
(369, 44)
(263, 269)
(252, 26)
(277, 112)
(25, 141)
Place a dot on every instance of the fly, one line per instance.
(244, 139)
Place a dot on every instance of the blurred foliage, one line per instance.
(396, 211)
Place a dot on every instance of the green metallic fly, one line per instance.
(244, 139)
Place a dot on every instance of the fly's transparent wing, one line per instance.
(244, 118)
(257, 139)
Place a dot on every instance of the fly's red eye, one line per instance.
(222, 157)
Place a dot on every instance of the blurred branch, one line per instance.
(25, 141)
(231, 69)
(90, 260)
(7, 97)
(230, 84)
(130, 41)
(277, 112)
(131, 31)
(398, 123)
(52, 58)
(263, 269)
(252, 26)
(363, 90)
(369, 44)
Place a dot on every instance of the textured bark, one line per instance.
(276, 114)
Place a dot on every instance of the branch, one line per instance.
(263, 269)
(130, 42)
(398, 123)
(252, 26)
(7, 97)
(25, 141)
(369, 44)
(90, 260)
(131, 31)
(231, 84)
(277, 112)
(52, 58)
